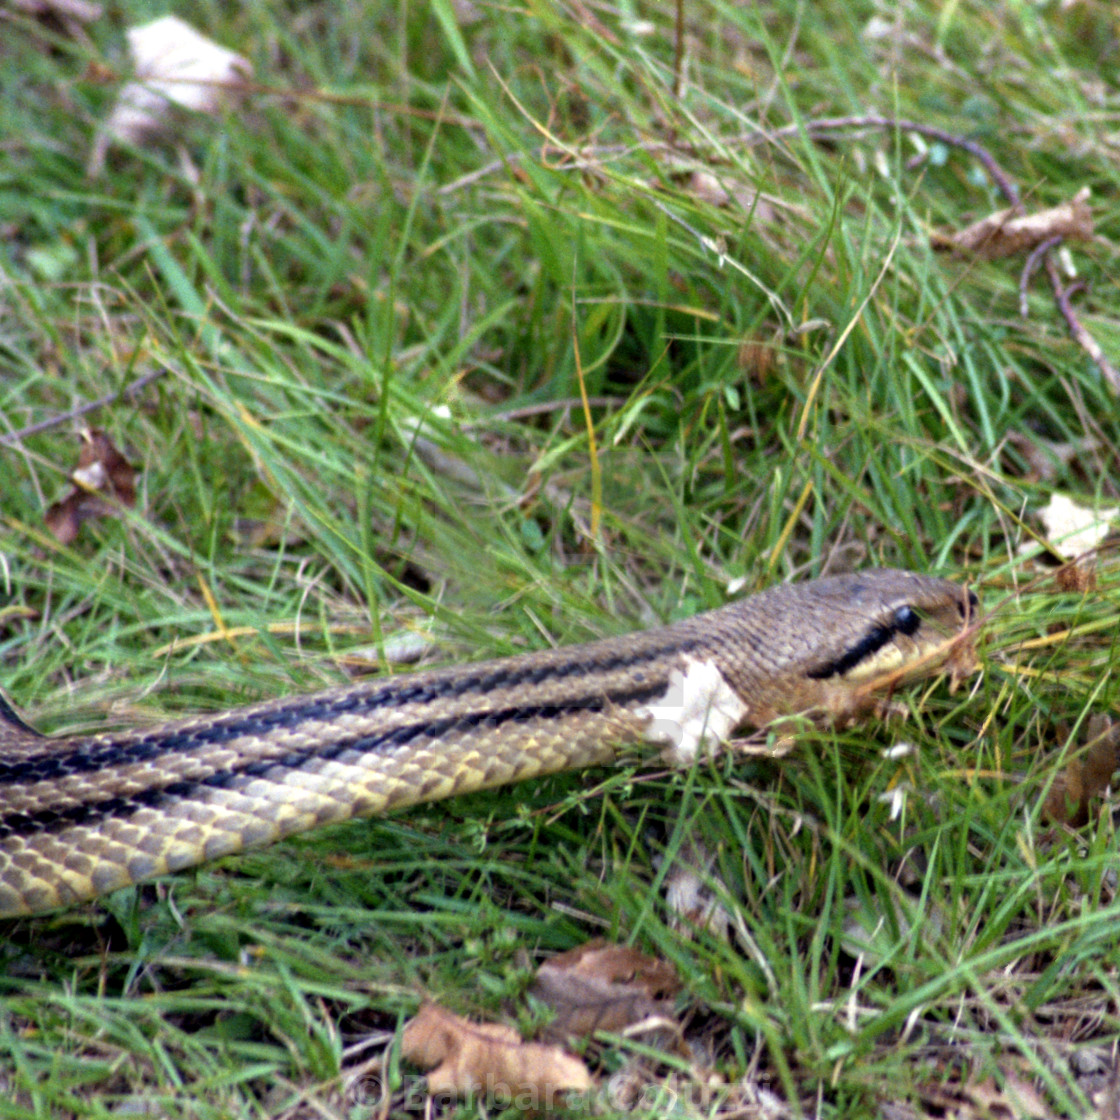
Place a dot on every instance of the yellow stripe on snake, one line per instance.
(86, 814)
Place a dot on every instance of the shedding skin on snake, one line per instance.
(86, 814)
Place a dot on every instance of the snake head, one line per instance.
(898, 625)
(889, 627)
(833, 647)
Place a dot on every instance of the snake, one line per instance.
(85, 814)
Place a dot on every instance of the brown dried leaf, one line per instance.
(692, 890)
(1016, 1099)
(1079, 576)
(619, 964)
(758, 358)
(1008, 232)
(101, 469)
(1045, 459)
(1087, 774)
(705, 186)
(603, 987)
(464, 1057)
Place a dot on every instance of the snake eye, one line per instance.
(968, 611)
(906, 620)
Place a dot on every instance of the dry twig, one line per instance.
(1006, 187)
(128, 392)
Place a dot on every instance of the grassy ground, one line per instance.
(372, 297)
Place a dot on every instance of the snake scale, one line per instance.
(85, 814)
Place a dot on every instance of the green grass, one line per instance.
(374, 294)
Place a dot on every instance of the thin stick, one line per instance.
(830, 124)
(526, 411)
(1033, 261)
(129, 391)
(1007, 188)
(678, 52)
(1081, 336)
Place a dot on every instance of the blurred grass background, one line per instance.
(372, 299)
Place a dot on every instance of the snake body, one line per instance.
(86, 814)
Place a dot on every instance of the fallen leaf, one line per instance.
(692, 892)
(1073, 530)
(758, 358)
(1086, 775)
(875, 929)
(698, 711)
(1079, 577)
(101, 470)
(1045, 459)
(1008, 232)
(603, 987)
(174, 65)
(1016, 1099)
(705, 186)
(1073, 533)
(464, 1057)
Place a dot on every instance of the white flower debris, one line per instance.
(899, 750)
(895, 798)
(692, 889)
(699, 710)
(174, 64)
(1074, 530)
